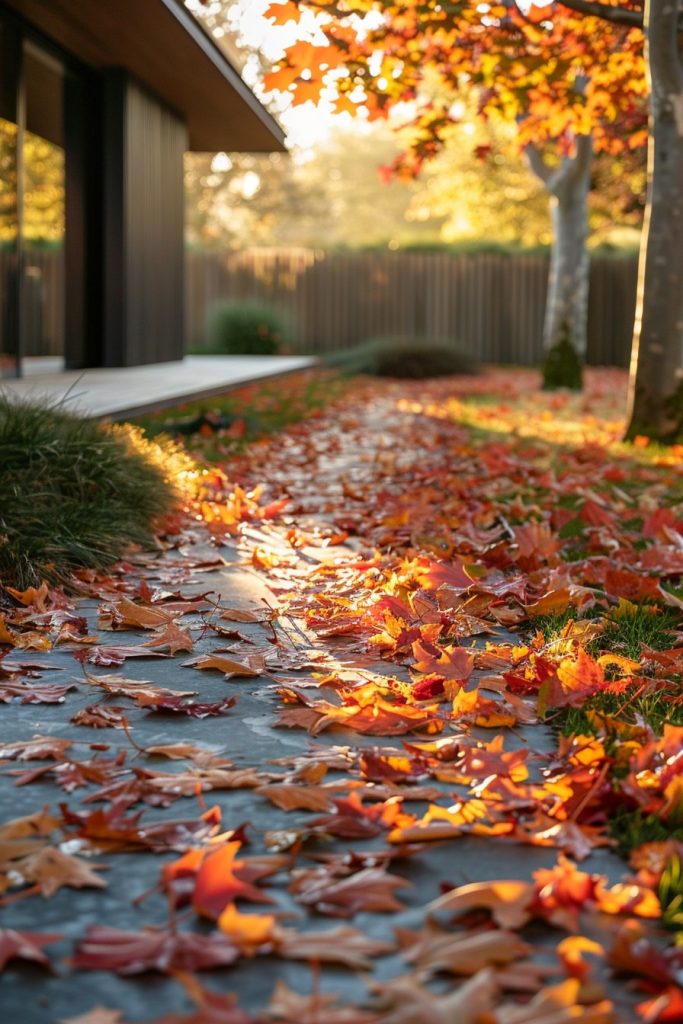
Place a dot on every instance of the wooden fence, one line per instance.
(491, 304)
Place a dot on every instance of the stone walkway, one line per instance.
(252, 571)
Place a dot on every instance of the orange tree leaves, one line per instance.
(559, 75)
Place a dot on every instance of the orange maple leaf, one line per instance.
(283, 12)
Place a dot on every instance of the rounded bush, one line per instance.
(75, 492)
(404, 357)
(245, 328)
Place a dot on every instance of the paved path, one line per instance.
(136, 390)
(258, 567)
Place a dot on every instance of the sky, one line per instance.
(305, 125)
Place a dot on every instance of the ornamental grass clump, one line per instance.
(76, 493)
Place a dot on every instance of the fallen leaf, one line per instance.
(35, 749)
(247, 931)
(292, 796)
(433, 949)
(508, 902)
(31, 693)
(111, 949)
(371, 889)
(101, 716)
(98, 1015)
(343, 946)
(228, 666)
(24, 946)
(405, 1001)
(173, 636)
(292, 1008)
(49, 869)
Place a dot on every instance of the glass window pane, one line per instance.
(9, 235)
(43, 222)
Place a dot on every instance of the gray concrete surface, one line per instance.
(136, 390)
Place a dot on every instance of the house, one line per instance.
(123, 88)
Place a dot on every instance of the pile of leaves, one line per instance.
(472, 624)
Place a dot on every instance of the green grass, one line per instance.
(75, 493)
(656, 708)
(630, 829)
(216, 428)
(626, 632)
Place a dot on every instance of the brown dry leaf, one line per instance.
(101, 716)
(174, 637)
(111, 949)
(291, 797)
(35, 693)
(182, 752)
(407, 1002)
(558, 1004)
(212, 1007)
(115, 654)
(50, 869)
(16, 945)
(11, 851)
(292, 1008)
(344, 946)
(40, 823)
(98, 1015)
(508, 901)
(38, 748)
(204, 780)
(434, 949)
(136, 689)
(247, 614)
(371, 889)
(123, 612)
(228, 666)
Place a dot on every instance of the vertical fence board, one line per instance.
(489, 304)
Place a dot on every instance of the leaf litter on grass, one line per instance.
(474, 607)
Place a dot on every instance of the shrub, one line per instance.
(245, 328)
(74, 492)
(403, 357)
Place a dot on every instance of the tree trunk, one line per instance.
(565, 331)
(656, 385)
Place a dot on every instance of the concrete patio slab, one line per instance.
(118, 393)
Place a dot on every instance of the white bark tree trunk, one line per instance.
(567, 302)
(656, 385)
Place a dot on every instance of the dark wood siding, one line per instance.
(155, 142)
(143, 197)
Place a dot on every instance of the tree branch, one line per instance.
(619, 15)
(570, 170)
(537, 163)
